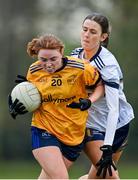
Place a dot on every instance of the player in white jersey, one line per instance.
(109, 117)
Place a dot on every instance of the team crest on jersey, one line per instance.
(43, 79)
(71, 79)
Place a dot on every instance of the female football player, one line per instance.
(57, 128)
(109, 117)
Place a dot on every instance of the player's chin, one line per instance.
(86, 46)
(50, 70)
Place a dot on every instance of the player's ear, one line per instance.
(104, 36)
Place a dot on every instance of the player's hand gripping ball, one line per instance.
(26, 96)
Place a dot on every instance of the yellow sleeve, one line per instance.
(91, 74)
(34, 72)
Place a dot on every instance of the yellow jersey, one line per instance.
(57, 90)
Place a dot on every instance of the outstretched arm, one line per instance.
(106, 163)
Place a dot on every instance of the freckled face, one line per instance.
(51, 59)
(91, 35)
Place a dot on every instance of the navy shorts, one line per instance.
(41, 138)
(120, 139)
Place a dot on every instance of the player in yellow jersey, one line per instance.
(58, 128)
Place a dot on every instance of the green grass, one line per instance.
(31, 170)
(19, 170)
(128, 171)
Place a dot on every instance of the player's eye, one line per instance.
(43, 59)
(53, 58)
(84, 29)
(93, 31)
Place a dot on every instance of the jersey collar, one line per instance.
(64, 64)
(92, 58)
(97, 53)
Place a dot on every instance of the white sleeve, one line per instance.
(112, 98)
(111, 76)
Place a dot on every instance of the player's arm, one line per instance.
(96, 92)
(92, 78)
(112, 98)
(94, 83)
(16, 107)
(106, 163)
(34, 72)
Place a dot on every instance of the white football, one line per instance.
(28, 94)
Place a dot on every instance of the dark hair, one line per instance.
(103, 22)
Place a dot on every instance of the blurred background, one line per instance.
(20, 21)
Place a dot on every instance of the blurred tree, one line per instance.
(16, 22)
(124, 45)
